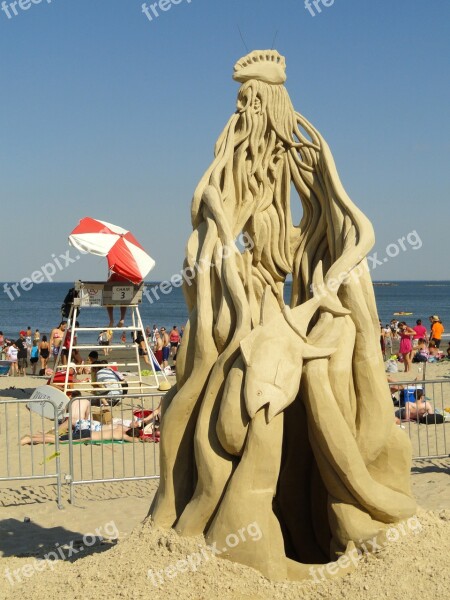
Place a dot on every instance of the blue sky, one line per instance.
(108, 114)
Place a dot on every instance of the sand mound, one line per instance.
(156, 563)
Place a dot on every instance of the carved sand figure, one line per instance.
(281, 415)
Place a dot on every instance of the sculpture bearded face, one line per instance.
(263, 135)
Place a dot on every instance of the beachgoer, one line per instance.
(107, 383)
(56, 338)
(394, 329)
(93, 357)
(155, 330)
(22, 354)
(88, 431)
(11, 355)
(37, 336)
(435, 353)
(142, 349)
(114, 278)
(422, 353)
(421, 333)
(437, 329)
(174, 338)
(44, 352)
(103, 340)
(110, 334)
(85, 428)
(405, 350)
(158, 348)
(28, 338)
(66, 345)
(77, 359)
(59, 380)
(415, 407)
(123, 337)
(165, 347)
(34, 356)
(387, 334)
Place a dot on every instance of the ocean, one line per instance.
(40, 307)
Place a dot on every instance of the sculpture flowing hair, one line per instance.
(266, 150)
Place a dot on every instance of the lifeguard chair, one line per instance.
(124, 356)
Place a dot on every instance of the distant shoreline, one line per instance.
(430, 282)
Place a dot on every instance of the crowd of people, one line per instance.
(102, 386)
(415, 344)
(39, 352)
(105, 382)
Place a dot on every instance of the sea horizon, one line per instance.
(40, 307)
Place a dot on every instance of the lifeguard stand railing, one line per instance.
(103, 295)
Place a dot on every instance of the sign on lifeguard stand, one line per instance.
(108, 294)
(95, 294)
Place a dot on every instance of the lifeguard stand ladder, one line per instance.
(101, 295)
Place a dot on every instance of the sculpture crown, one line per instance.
(266, 65)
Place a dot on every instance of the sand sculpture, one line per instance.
(281, 415)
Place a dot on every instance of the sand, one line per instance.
(136, 560)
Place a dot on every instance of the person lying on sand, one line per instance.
(415, 409)
(84, 428)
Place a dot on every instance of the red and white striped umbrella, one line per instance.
(126, 257)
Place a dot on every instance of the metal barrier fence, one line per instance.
(104, 456)
(421, 410)
(24, 463)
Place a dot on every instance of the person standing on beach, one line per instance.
(387, 333)
(174, 338)
(11, 355)
(382, 341)
(22, 354)
(56, 338)
(110, 334)
(28, 338)
(158, 349)
(142, 349)
(437, 329)
(103, 340)
(394, 329)
(34, 356)
(44, 352)
(405, 350)
(166, 346)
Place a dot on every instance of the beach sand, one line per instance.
(413, 566)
